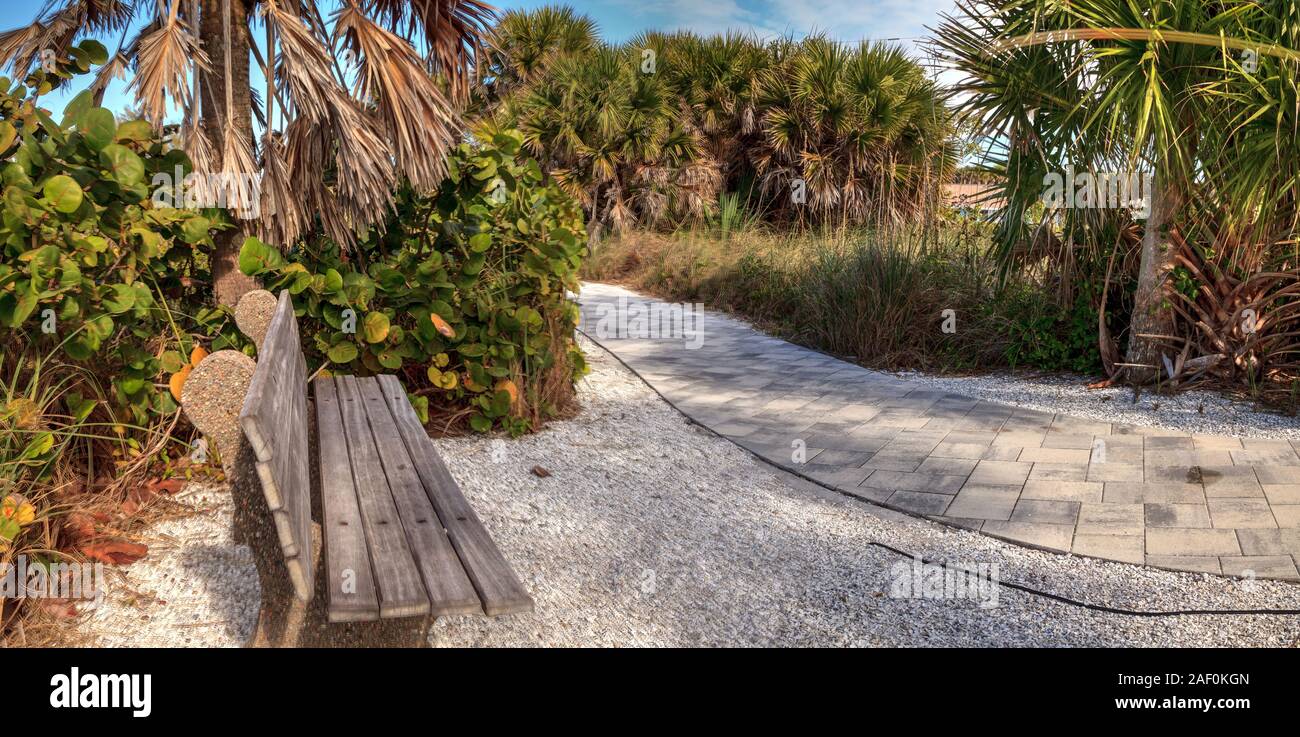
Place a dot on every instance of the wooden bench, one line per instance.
(399, 537)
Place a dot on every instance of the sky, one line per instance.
(845, 20)
(618, 20)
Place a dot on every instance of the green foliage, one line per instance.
(1044, 336)
(653, 131)
(463, 295)
(1185, 283)
(87, 260)
(872, 295)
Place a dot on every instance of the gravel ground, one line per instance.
(653, 531)
(195, 588)
(1196, 412)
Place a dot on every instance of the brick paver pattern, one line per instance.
(1135, 494)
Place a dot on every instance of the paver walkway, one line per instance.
(1135, 494)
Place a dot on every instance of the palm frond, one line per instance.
(417, 118)
(451, 32)
(114, 68)
(165, 57)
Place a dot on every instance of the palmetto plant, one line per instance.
(716, 80)
(355, 102)
(1244, 302)
(862, 126)
(610, 136)
(654, 130)
(524, 44)
(1200, 93)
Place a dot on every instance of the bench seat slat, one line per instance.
(401, 590)
(350, 581)
(497, 585)
(449, 589)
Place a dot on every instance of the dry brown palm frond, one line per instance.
(98, 15)
(282, 219)
(23, 48)
(114, 68)
(327, 125)
(165, 56)
(196, 145)
(107, 15)
(20, 48)
(238, 168)
(361, 193)
(452, 32)
(364, 169)
(417, 117)
(306, 151)
(304, 66)
(54, 30)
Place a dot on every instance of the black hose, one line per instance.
(1102, 607)
(896, 551)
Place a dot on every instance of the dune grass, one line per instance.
(878, 297)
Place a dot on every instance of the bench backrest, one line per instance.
(274, 419)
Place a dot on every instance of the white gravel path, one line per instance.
(651, 531)
(1198, 412)
(195, 588)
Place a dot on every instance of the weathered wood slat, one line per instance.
(274, 419)
(497, 585)
(349, 579)
(397, 577)
(449, 589)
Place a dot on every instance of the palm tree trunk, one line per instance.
(1151, 314)
(229, 283)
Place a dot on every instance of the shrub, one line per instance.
(88, 261)
(1044, 336)
(867, 294)
(463, 294)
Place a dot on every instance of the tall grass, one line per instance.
(876, 296)
(733, 216)
(58, 438)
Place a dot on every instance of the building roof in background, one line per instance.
(972, 195)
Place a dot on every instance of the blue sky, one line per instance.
(618, 20)
(846, 20)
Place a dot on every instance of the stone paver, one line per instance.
(1142, 495)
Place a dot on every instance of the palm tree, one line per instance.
(717, 82)
(352, 105)
(1200, 93)
(862, 127)
(607, 131)
(524, 44)
(653, 131)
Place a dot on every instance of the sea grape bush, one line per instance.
(463, 294)
(87, 261)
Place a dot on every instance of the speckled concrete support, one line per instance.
(212, 397)
(253, 314)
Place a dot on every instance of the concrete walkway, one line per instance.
(1134, 494)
